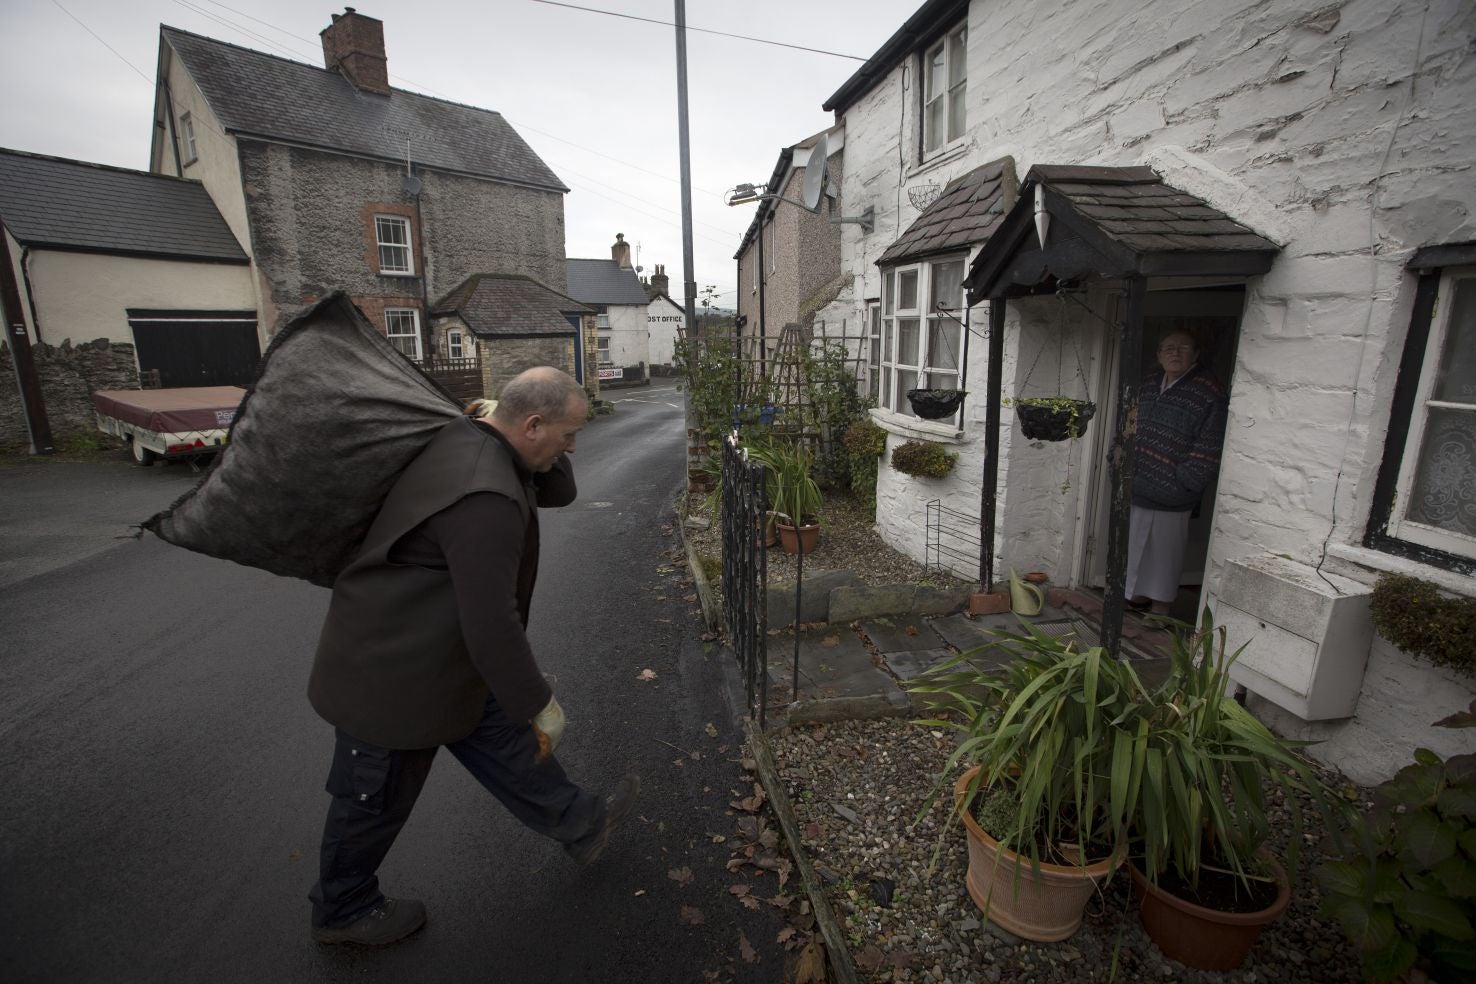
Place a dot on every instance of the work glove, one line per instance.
(548, 727)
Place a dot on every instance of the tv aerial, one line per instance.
(818, 186)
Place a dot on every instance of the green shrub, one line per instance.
(1405, 889)
(1413, 615)
(923, 459)
(865, 442)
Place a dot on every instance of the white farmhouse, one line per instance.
(612, 288)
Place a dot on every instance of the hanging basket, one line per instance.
(1056, 422)
(935, 404)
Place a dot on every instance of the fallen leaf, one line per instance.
(711, 730)
(682, 875)
(810, 968)
(740, 890)
(812, 831)
(690, 597)
(692, 916)
(745, 949)
(785, 934)
(709, 636)
(661, 597)
(695, 756)
(678, 762)
(870, 958)
(716, 838)
(830, 641)
(646, 675)
(749, 902)
(294, 856)
(640, 891)
(912, 630)
(781, 901)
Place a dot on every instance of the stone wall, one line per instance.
(69, 374)
(503, 358)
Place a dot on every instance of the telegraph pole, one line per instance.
(689, 288)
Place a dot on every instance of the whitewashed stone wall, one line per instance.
(1321, 125)
(1342, 131)
(664, 320)
(630, 337)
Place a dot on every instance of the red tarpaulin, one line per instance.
(172, 411)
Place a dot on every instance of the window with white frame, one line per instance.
(392, 233)
(602, 320)
(874, 331)
(945, 81)
(187, 134)
(1433, 506)
(455, 344)
(402, 327)
(918, 346)
(603, 343)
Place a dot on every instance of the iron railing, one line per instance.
(745, 571)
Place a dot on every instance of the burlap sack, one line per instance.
(335, 415)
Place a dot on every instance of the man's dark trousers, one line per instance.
(374, 789)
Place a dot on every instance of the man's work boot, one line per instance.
(388, 922)
(618, 806)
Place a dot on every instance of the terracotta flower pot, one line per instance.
(1045, 907)
(1205, 938)
(793, 540)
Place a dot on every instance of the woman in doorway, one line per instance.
(1181, 423)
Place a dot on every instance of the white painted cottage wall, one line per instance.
(1292, 110)
(1342, 131)
(664, 319)
(629, 335)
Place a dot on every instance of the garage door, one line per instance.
(197, 348)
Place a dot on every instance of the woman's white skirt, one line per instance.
(1156, 542)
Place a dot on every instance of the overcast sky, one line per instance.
(594, 95)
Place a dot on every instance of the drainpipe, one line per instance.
(763, 332)
(427, 336)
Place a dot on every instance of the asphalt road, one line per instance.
(163, 772)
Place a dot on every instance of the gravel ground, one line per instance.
(848, 542)
(857, 788)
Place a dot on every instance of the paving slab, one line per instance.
(963, 632)
(814, 597)
(900, 633)
(909, 665)
(838, 679)
(866, 601)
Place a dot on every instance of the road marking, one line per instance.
(658, 403)
(598, 505)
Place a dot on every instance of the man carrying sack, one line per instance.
(425, 645)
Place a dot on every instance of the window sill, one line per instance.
(947, 155)
(407, 274)
(914, 427)
(1382, 562)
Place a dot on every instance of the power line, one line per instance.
(703, 30)
(103, 43)
(561, 169)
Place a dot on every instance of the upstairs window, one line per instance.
(402, 327)
(945, 78)
(602, 320)
(392, 232)
(187, 134)
(918, 347)
(1431, 447)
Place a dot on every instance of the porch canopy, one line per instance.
(1075, 223)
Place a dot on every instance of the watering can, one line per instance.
(1025, 598)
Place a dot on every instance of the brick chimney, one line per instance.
(659, 281)
(353, 46)
(620, 252)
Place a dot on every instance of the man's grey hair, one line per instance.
(543, 390)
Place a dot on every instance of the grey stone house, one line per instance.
(506, 322)
(330, 178)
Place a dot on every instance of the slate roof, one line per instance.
(262, 95)
(1112, 222)
(965, 213)
(1135, 208)
(922, 28)
(604, 282)
(510, 305)
(73, 205)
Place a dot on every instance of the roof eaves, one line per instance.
(930, 20)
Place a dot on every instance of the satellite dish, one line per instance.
(410, 183)
(815, 176)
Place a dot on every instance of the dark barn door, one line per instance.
(197, 348)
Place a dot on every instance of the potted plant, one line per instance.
(794, 496)
(935, 404)
(1039, 802)
(1052, 418)
(1196, 788)
(923, 459)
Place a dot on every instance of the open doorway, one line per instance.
(1212, 315)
